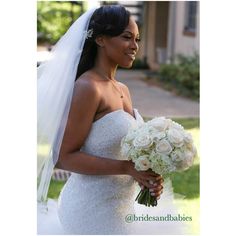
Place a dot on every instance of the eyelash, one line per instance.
(127, 37)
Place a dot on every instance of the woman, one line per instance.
(101, 188)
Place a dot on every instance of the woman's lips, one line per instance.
(131, 56)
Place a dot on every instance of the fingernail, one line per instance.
(142, 187)
(150, 181)
(151, 190)
(155, 184)
(153, 194)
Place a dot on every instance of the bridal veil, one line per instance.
(55, 85)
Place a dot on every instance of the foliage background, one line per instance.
(55, 17)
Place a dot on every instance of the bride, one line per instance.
(83, 113)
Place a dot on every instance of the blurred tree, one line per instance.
(55, 17)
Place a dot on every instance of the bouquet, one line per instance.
(161, 145)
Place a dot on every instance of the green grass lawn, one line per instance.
(55, 188)
(185, 183)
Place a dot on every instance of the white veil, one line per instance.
(54, 93)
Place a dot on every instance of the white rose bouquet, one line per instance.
(161, 145)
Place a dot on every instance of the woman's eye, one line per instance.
(127, 37)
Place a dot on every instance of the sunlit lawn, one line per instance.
(185, 183)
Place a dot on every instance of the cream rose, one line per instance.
(163, 147)
(189, 156)
(186, 160)
(160, 123)
(175, 137)
(177, 126)
(188, 137)
(158, 135)
(143, 141)
(142, 163)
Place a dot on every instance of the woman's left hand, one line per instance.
(157, 188)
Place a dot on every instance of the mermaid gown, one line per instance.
(92, 204)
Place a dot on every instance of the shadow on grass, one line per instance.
(187, 182)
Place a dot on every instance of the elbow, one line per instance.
(61, 162)
(59, 165)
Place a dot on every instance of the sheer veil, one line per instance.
(54, 93)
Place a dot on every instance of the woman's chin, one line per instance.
(126, 66)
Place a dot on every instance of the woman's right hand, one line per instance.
(147, 179)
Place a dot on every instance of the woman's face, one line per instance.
(121, 49)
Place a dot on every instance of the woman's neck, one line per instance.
(103, 66)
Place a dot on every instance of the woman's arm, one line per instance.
(83, 163)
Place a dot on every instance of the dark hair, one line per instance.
(110, 20)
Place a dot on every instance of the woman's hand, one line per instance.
(147, 179)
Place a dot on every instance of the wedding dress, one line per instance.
(90, 204)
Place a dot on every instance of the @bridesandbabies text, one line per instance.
(132, 217)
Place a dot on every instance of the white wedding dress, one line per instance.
(90, 204)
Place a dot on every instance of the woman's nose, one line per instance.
(134, 45)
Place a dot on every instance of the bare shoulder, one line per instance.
(86, 95)
(124, 86)
(85, 85)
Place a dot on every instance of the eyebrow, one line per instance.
(126, 31)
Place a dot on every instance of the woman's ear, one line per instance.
(100, 41)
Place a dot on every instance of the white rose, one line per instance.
(175, 125)
(158, 135)
(142, 163)
(183, 159)
(143, 141)
(189, 156)
(163, 147)
(186, 162)
(175, 137)
(188, 137)
(159, 123)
